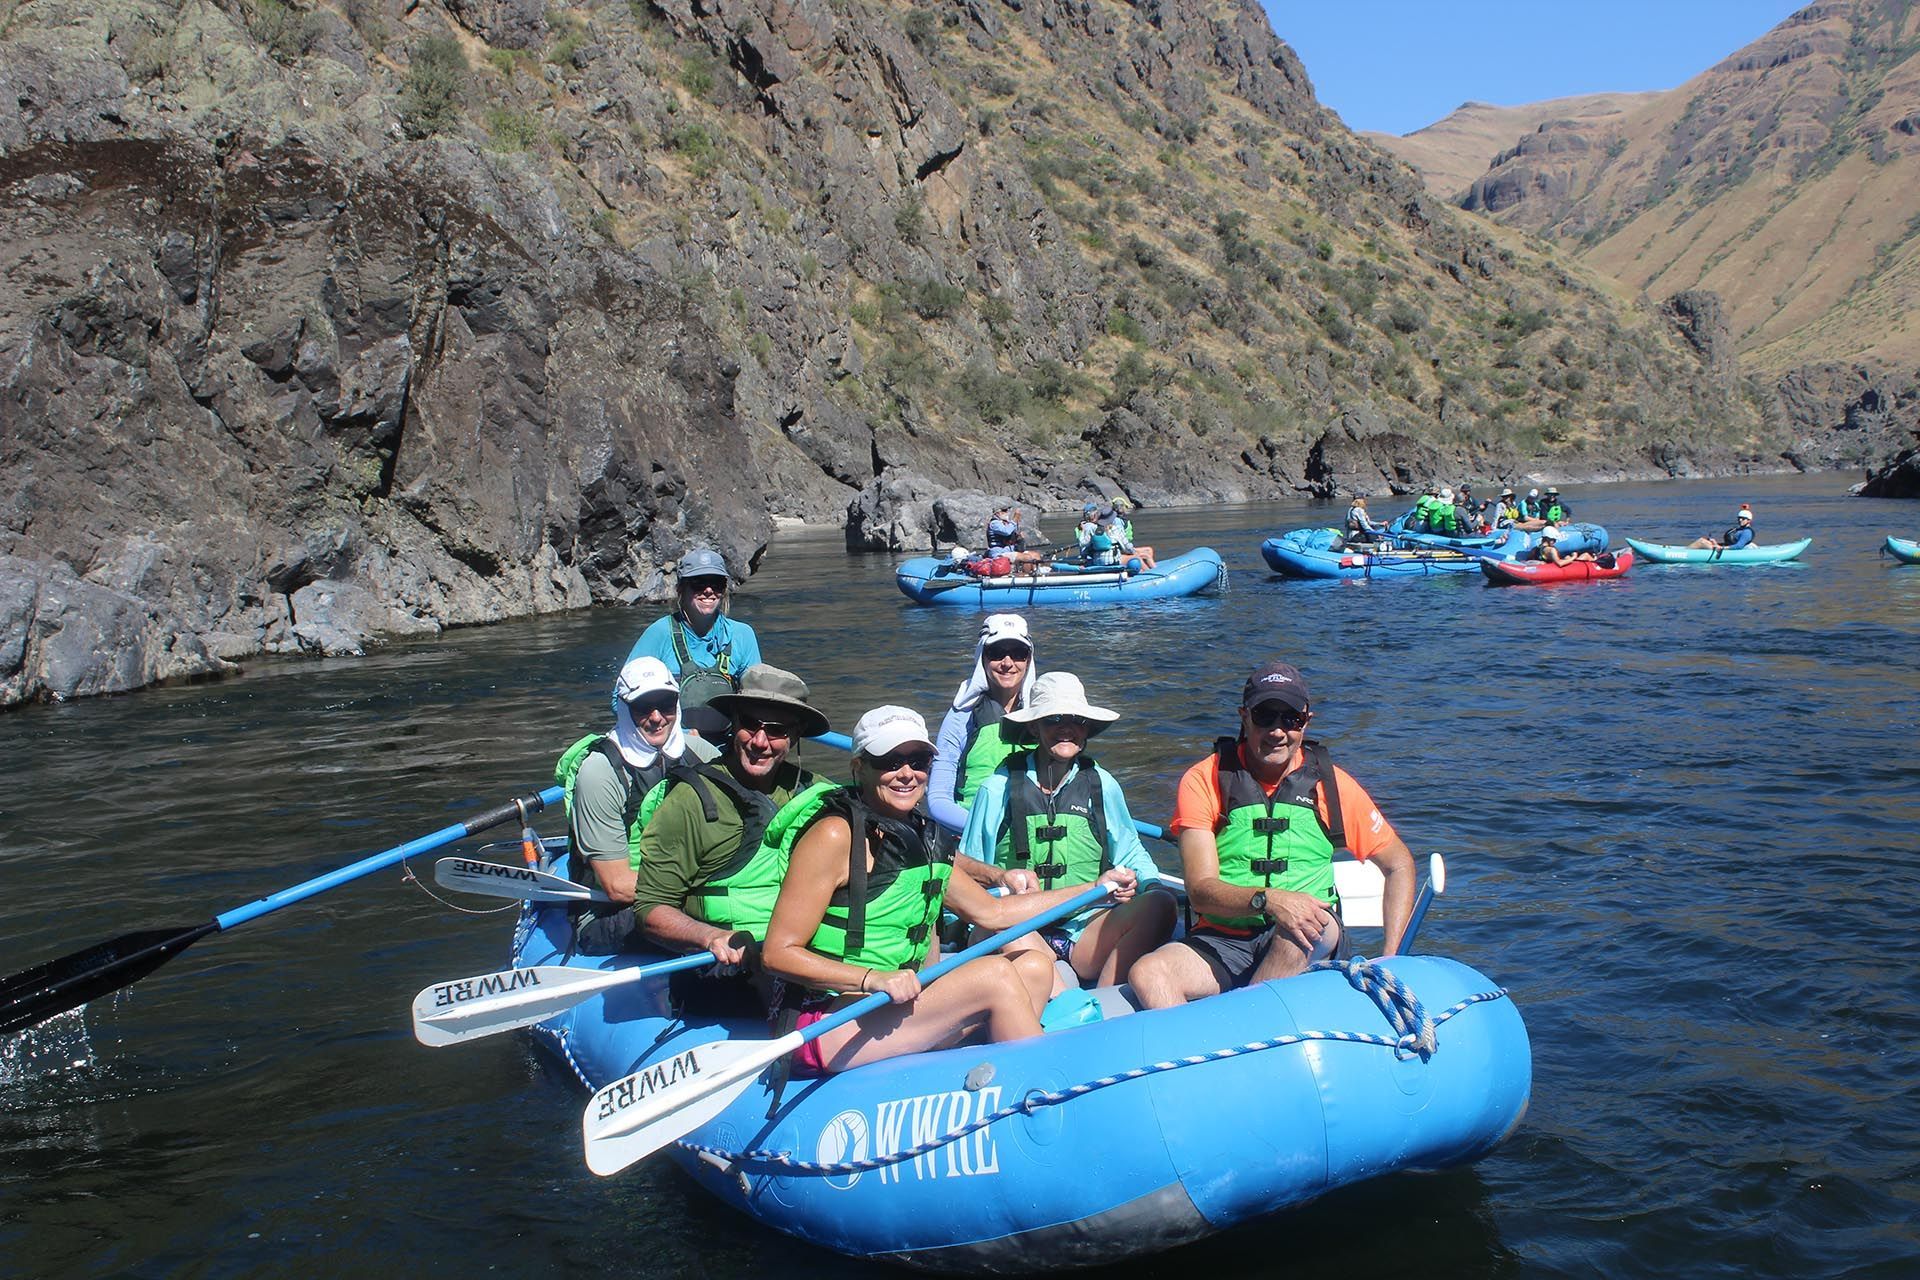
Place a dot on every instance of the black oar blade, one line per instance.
(36, 994)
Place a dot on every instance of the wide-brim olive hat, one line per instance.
(765, 687)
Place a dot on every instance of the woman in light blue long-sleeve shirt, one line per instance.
(969, 743)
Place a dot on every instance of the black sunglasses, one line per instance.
(1271, 714)
(1005, 649)
(1066, 722)
(775, 731)
(918, 761)
(664, 703)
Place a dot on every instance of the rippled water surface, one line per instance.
(1679, 810)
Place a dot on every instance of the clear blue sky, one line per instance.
(1399, 65)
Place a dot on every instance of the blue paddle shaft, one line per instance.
(399, 853)
(844, 743)
(1420, 906)
(880, 999)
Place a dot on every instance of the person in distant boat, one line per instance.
(1120, 525)
(1052, 810)
(1420, 519)
(705, 879)
(1554, 508)
(1260, 820)
(607, 776)
(859, 912)
(1006, 536)
(1530, 505)
(1094, 535)
(1360, 526)
(1466, 518)
(1548, 549)
(705, 649)
(1440, 515)
(1505, 512)
(1740, 535)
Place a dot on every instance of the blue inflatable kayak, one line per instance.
(1325, 553)
(1093, 1143)
(1903, 550)
(927, 580)
(1657, 553)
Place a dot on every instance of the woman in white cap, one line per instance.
(1548, 551)
(1740, 535)
(606, 775)
(1051, 809)
(705, 649)
(856, 917)
(971, 747)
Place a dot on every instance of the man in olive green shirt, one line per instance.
(683, 849)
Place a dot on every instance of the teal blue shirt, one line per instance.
(989, 814)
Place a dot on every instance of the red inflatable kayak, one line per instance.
(1517, 573)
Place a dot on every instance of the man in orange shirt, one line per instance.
(1257, 840)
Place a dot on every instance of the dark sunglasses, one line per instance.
(1265, 717)
(775, 731)
(918, 761)
(1005, 649)
(1066, 722)
(664, 703)
(702, 586)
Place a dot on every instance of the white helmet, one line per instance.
(1446, 495)
(1533, 493)
(1550, 534)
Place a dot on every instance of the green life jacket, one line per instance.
(741, 894)
(1443, 518)
(1060, 837)
(699, 684)
(887, 915)
(1277, 841)
(1555, 513)
(985, 751)
(642, 786)
(1422, 514)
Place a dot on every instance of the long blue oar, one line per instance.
(844, 743)
(469, 1008)
(36, 994)
(638, 1114)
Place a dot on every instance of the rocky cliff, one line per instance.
(326, 322)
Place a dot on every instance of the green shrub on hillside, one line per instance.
(933, 299)
(430, 99)
(512, 130)
(992, 395)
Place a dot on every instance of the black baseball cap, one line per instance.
(1275, 682)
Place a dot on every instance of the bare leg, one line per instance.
(1174, 974)
(985, 999)
(1106, 952)
(1702, 544)
(1284, 957)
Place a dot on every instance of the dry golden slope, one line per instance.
(1450, 153)
(1786, 179)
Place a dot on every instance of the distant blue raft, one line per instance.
(1323, 553)
(928, 580)
(1096, 1142)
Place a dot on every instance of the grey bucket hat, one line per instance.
(762, 686)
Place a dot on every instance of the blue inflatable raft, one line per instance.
(1574, 536)
(1093, 1143)
(1324, 553)
(927, 580)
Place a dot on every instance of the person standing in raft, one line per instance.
(607, 776)
(1740, 535)
(860, 915)
(705, 649)
(704, 877)
(1360, 527)
(1548, 551)
(1259, 821)
(1054, 811)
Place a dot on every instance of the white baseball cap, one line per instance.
(642, 676)
(1004, 626)
(1550, 534)
(887, 729)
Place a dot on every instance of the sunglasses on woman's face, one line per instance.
(918, 761)
(663, 703)
(1272, 714)
(1065, 722)
(1006, 649)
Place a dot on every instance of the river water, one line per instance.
(1679, 811)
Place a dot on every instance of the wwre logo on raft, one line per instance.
(906, 1123)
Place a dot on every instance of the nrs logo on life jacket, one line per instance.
(908, 1122)
(642, 1085)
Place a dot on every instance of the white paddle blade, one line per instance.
(1362, 891)
(1437, 874)
(498, 880)
(469, 1008)
(635, 1116)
